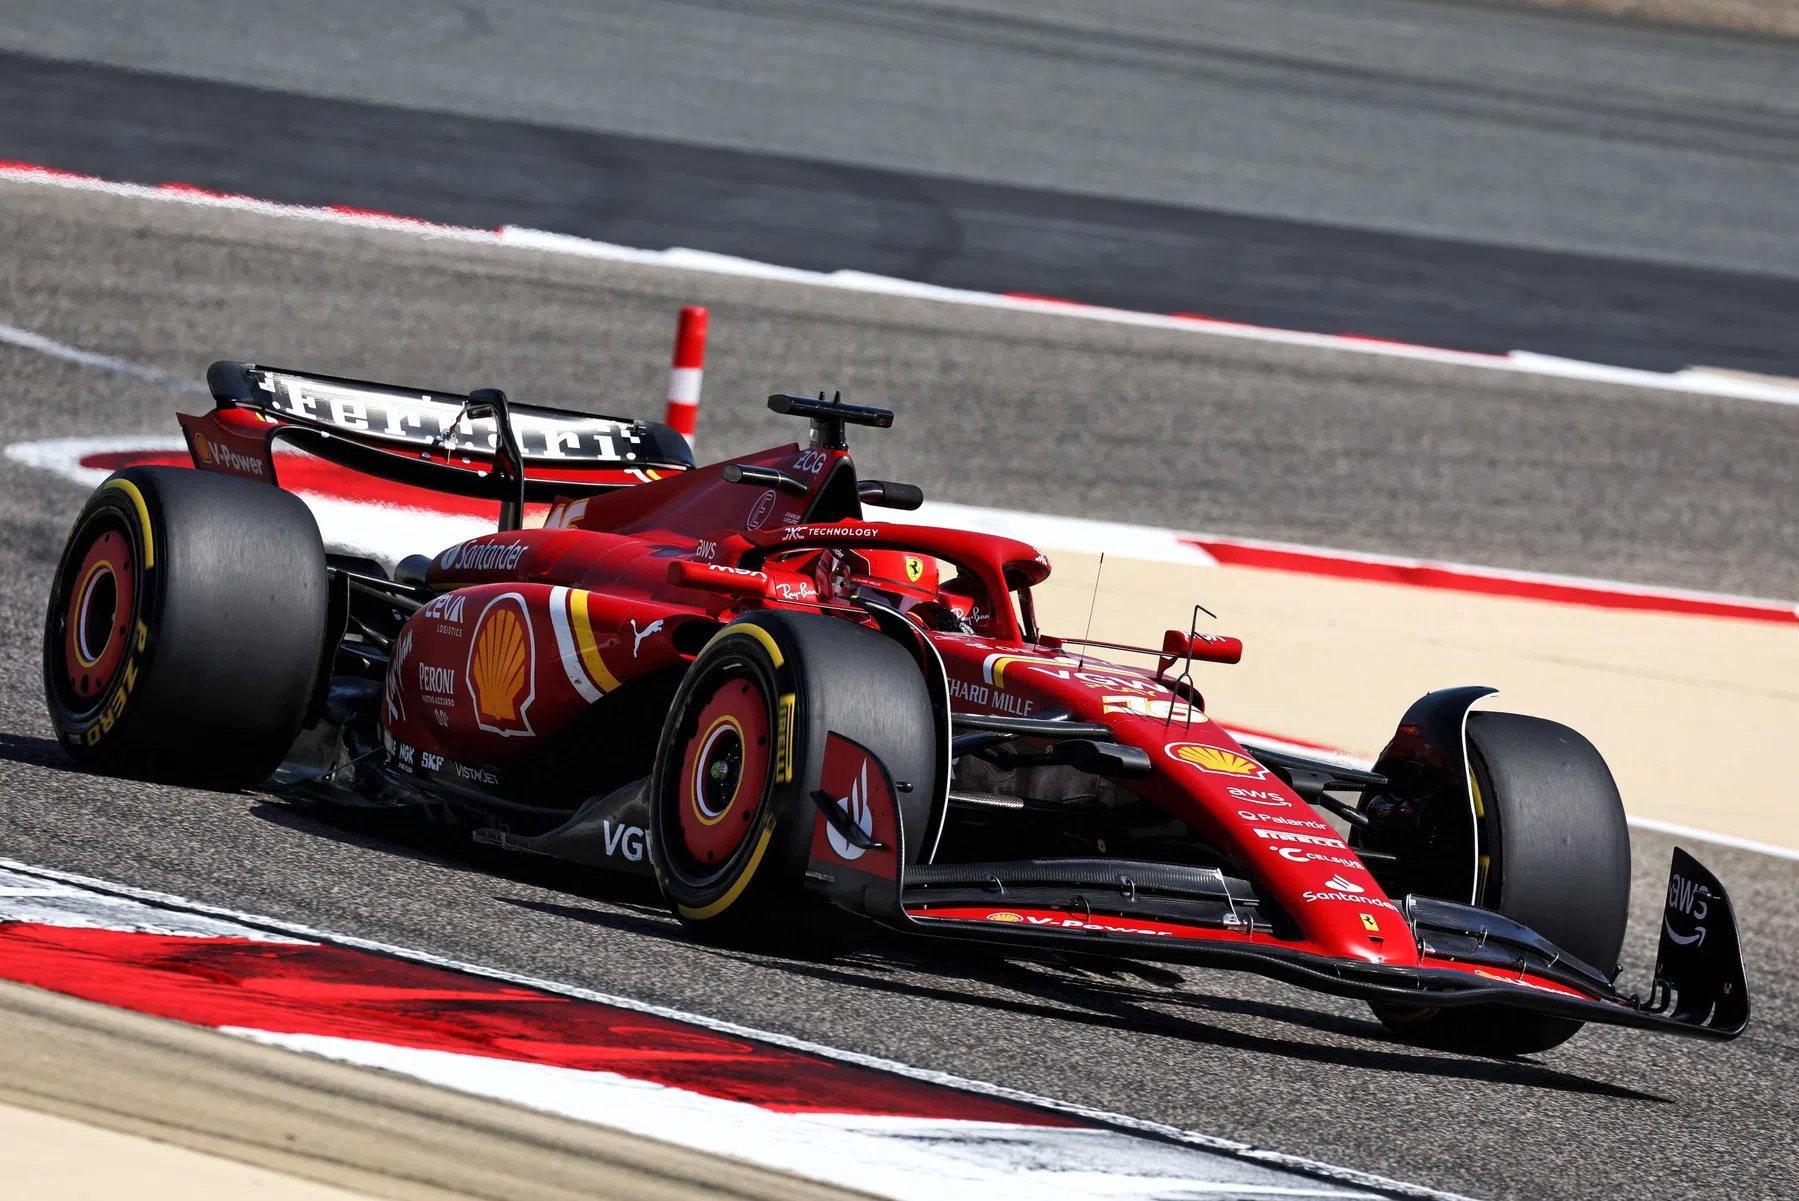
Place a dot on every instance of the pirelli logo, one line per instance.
(116, 708)
(784, 738)
(1317, 840)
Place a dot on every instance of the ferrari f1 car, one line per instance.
(806, 724)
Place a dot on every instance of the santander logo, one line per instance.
(1338, 884)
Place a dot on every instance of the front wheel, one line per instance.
(1556, 857)
(731, 814)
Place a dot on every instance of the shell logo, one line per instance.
(1217, 760)
(1004, 917)
(501, 667)
(204, 450)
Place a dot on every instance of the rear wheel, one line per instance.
(1555, 856)
(731, 818)
(185, 627)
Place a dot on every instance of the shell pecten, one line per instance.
(499, 665)
(1218, 759)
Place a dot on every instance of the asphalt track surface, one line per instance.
(173, 286)
(1477, 176)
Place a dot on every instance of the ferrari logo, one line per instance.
(914, 568)
(1369, 924)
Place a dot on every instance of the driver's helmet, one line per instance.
(901, 580)
(896, 578)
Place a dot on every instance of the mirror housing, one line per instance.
(1204, 648)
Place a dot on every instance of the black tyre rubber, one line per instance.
(185, 627)
(831, 676)
(1558, 860)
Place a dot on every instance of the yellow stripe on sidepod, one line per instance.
(584, 641)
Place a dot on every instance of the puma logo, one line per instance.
(637, 637)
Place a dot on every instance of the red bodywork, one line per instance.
(533, 625)
(641, 558)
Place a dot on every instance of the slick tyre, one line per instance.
(731, 816)
(185, 627)
(1558, 860)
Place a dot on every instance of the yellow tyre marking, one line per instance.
(584, 641)
(784, 738)
(754, 631)
(723, 903)
(699, 765)
(736, 890)
(143, 516)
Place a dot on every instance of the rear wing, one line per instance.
(478, 445)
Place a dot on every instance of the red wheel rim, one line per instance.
(97, 618)
(723, 771)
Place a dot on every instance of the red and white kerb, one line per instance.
(684, 372)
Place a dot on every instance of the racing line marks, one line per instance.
(681, 259)
(834, 1115)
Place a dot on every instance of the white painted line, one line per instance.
(1080, 534)
(25, 339)
(1258, 1155)
(907, 1159)
(62, 456)
(24, 898)
(388, 534)
(1357, 763)
(1723, 840)
(384, 532)
(1497, 573)
(678, 258)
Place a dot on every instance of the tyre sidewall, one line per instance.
(827, 672)
(86, 729)
(701, 894)
(229, 626)
(1559, 838)
(1553, 826)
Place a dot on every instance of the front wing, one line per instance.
(1176, 914)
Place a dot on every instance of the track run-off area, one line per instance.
(1023, 412)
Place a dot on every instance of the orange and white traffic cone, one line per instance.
(685, 371)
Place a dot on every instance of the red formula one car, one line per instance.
(805, 723)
